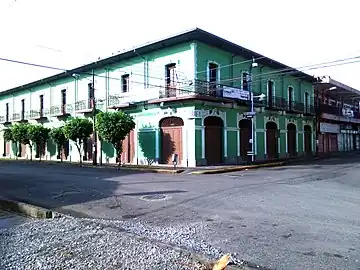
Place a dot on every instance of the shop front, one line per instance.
(349, 138)
(328, 138)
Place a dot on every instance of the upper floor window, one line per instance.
(213, 78)
(213, 72)
(41, 97)
(290, 97)
(63, 97)
(91, 93)
(171, 79)
(306, 102)
(7, 112)
(63, 100)
(125, 83)
(22, 109)
(271, 93)
(171, 76)
(245, 81)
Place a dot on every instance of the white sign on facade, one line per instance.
(235, 93)
(347, 112)
(196, 114)
(329, 128)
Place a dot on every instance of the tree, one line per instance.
(113, 128)
(20, 134)
(39, 135)
(78, 130)
(8, 135)
(58, 135)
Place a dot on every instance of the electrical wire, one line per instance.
(286, 71)
(297, 69)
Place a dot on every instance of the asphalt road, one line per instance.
(303, 216)
(9, 220)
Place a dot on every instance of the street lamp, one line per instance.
(93, 101)
(252, 111)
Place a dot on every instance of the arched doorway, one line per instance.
(307, 140)
(171, 139)
(271, 140)
(245, 135)
(213, 140)
(291, 139)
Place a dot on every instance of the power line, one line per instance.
(288, 72)
(69, 71)
(233, 64)
(274, 73)
(295, 70)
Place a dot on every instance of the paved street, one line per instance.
(294, 217)
(9, 220)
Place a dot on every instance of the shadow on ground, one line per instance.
(56, 186)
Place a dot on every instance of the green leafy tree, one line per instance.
(39, 135)
(78, 130)
(58, 136)
(20, 134)
(8, 135)
(113, 128)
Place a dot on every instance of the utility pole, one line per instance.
(93, 103)
(252, 112)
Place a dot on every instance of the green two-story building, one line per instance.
(189, 95)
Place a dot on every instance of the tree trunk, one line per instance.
(118, 148)
(17, 151)
(40, 148)
(61, 152)
(78, 146)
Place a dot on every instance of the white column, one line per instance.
(286, 142)
(136, 135)
(190, 143)
(225, 142)
(255, 146)
(297, 141)
(157, 148)
(238, 142)
(303, 133)
(202, 142)
(265, 142)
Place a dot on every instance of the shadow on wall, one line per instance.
(108, 150)
(167, 149)
(51, 148)
(15, 149)
(147, 143)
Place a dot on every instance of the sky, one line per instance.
(71, 33)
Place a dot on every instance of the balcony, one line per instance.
(147, 94)
(38, 114)
(16, 117)
(204, 88)
(60, 110)
(339, 113)
(84, 106)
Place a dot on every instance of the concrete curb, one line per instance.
(238, 168)
(26, 209)
(150, 170)
(121, 168)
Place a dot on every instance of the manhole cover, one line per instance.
(154, 197)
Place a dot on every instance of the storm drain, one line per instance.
(154, 197)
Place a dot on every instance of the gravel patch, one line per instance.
(70, 243)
